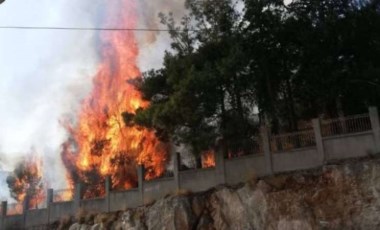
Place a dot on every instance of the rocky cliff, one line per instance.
(344, 195)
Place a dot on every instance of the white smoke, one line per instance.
(153, 44)
(44, 74)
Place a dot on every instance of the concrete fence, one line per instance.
(335, 139)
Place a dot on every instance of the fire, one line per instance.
(208, 159)
(15, 209)
(63, 195)
(26, 181)
(100, 143)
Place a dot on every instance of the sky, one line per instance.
(45, 74)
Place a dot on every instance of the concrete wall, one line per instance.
(120, 200)
(15, 222)
(349, 145)
(295, 160)
(159, 188)
(231, 171)
(244, 168)
(36, 217)
(94, 205)
(197, 180)
(61, 209)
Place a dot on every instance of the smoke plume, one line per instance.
(153, 44)
(44, 76)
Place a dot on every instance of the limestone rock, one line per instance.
(344, 196)
(77, 226)
(171, 213)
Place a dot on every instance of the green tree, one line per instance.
(202, 91)
(292, 62)
(312, 57)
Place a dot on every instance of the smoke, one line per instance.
(153, 44)
(44, 75)
(4, 193)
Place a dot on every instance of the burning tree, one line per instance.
(26, 181)
(100, 144)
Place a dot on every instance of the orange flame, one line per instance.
(101, 144)
(63, 195)
(15, 209)
(27, 181)
(208, 159)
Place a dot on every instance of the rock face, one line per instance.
(344, 196)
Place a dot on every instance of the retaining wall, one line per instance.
(36, 217)
(244, 168)
(229, 171)
(158, 188)
(349, 145)
(95, 205)
(60, 209)
(120, 200)
(197, 180)
(297, 159)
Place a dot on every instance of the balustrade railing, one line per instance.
(254, 146)
(344, 125)
(285, 142)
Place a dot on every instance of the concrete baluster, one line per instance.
(266, 149)
(220, 154)
(374, 116)
(49, 200)
(4, 207)
(77, 197)
(49, 197)
(108, 191)
(25, 208)
(176, 165)
(141, 174)
(319, 141)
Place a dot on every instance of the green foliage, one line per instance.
(292, 62)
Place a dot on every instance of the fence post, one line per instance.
(49, 200)
(220, 154)
(108, 190)
(49, 197)
(176, 163)
(4, 207)
(25, 208)
(77, 197)
(374, 116)
(318, 140)
(266, 149)
(140, 174)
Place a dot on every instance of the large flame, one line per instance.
(101, 144)
(26, 182)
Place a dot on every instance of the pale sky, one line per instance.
(45, 74)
